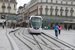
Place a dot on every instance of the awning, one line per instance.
(2, 20)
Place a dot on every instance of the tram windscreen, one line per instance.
(36, 22)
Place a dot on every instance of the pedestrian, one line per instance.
(56, 30)
(3, 25)
(59, 29)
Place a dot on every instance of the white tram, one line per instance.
(35, 24)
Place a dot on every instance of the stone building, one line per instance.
(61, 12)
(7, 7)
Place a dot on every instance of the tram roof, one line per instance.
(35, 16)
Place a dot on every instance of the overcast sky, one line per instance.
(21, 2)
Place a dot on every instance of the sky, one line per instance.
(21, 2)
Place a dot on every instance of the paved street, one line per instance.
(4, 43)
(67, 36)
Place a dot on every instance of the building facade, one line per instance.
(7, 7)
(61, 12)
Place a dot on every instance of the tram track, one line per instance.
(61, 42)
(46, 41)
(37, 41)
(21, 39)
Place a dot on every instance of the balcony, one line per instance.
(15, 9)
(3, 6)
(40, 8)
(51, 9)
(9, 7)
(56, 9)
(46, 9)
(66, 10)
(71, 10)
(61, 10)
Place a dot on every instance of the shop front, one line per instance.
(64, 23)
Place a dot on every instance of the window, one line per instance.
(71, 8)
(56, 2)
(46, 12)
(71, 3)
(3, 0)
(66, 3)
(46, 1)
(56, 13)
(3, 10)
(40, 6)
(46, 6)
(61, 13)
(66, 8)
(66, 14)
(51, 6)
(51, 1)
(61, 7)
(8, 4)
(14, 6)
(71, 14)
(8, 10)
(3, 4)
(51, 13)
(61, 2)
(40, 10)
(9, 0)
(41, 1)
(56, 7)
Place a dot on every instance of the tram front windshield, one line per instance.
(36, 23)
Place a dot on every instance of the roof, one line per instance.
(8, 0)
(12, 17)
(56, 20)
(29, 3)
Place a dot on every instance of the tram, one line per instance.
(35, 24)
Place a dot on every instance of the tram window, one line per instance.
(36, 18)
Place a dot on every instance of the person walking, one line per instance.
(3, 25)
(56, 30)
(59, 29)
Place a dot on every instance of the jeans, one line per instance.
(56, 33)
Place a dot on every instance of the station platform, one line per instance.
(67, 36)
